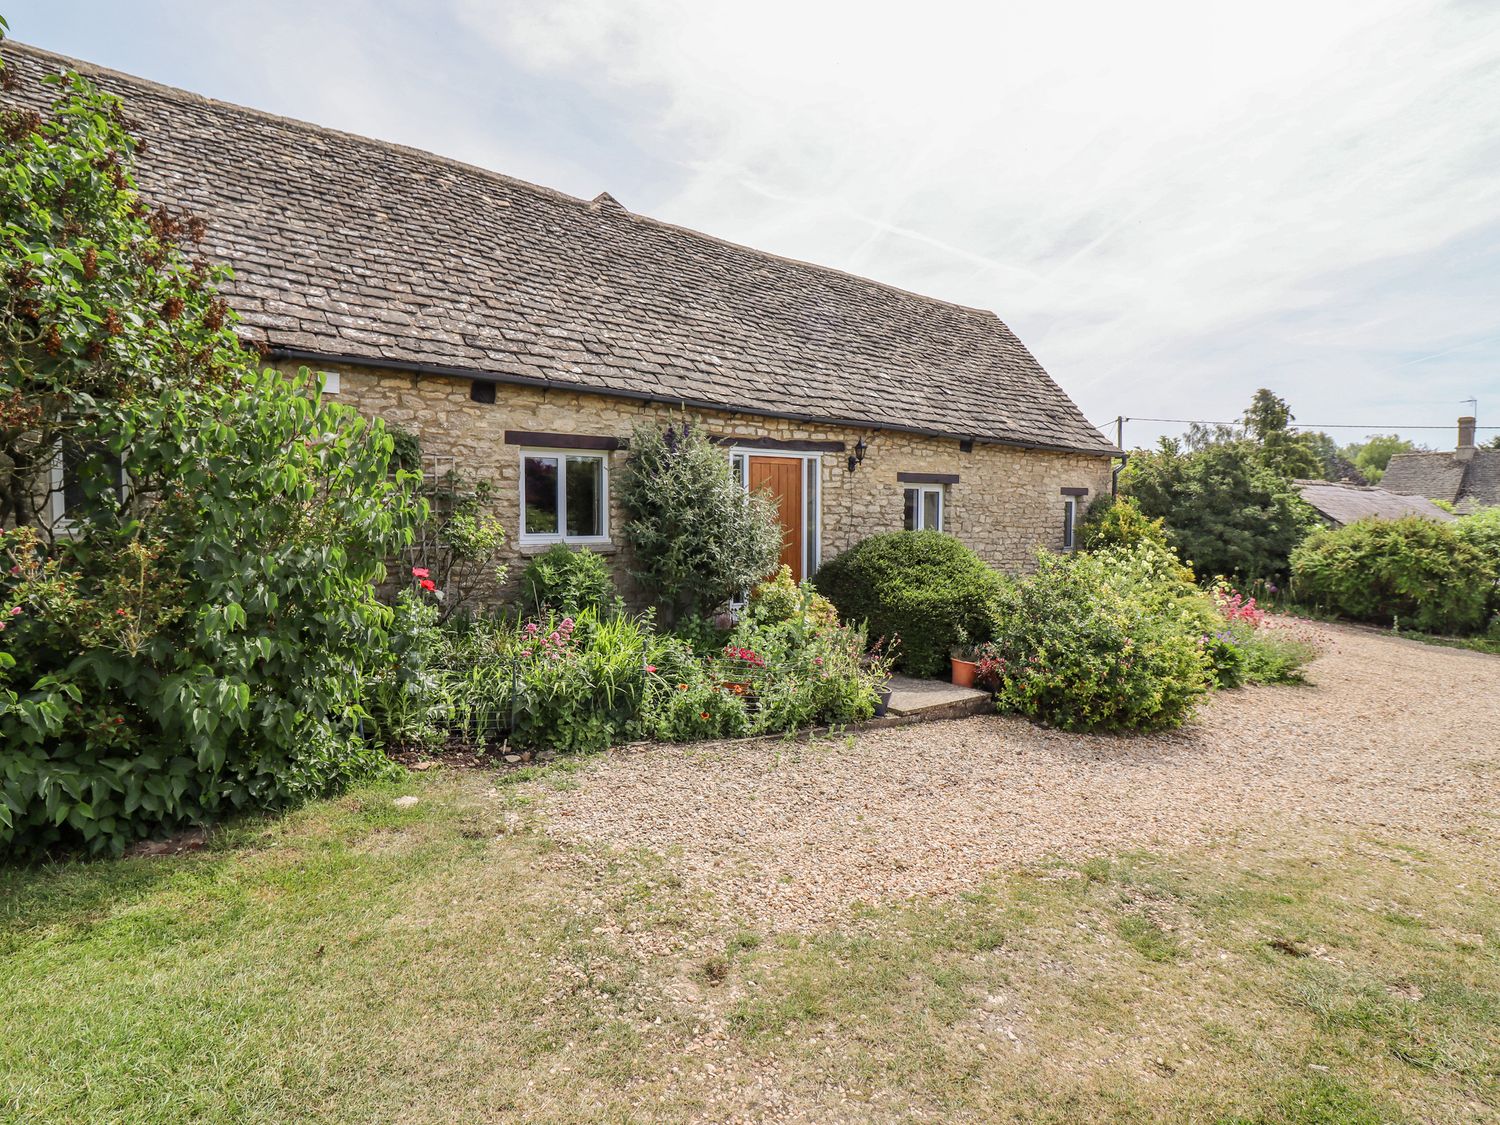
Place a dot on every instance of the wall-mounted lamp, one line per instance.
(857, 458)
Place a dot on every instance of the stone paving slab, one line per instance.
(935, 699)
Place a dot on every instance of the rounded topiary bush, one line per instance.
(1412, 572)
(1107, 641)
(923, 587)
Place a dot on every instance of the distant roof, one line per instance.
(1343, 503)
(349, 248)
(1471, 483)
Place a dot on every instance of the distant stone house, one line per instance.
(1467, 478)
(521, 333)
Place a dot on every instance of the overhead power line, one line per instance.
(1298, 425)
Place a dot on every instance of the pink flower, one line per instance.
(420, 572)
(650, 668)
(16, 611)
(553, 638)
(818, 660)
(567, 625)
(531, 628)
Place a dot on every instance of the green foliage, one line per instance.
(1271, 659)
(1291, 455)
(1373, 455)
(457, 544)
(923, 590)
(696, 538)
(577, 684)
(1481, 530)
(1107, 641)
(404, 694)
(1117, 521)
(567, 580)
(203, 654)
(781, 600)
(194, 644)
(1414, 572)
(1225, 510)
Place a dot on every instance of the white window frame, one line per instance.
(922, 490)
(812, 470)
(57, 494)
(1070, 523)
(561, 536)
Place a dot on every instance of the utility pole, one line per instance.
(1114, 477)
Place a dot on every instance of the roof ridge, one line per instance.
(89, 68)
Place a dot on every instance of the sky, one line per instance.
(1171, 203)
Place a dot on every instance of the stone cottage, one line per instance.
(1468, 478)
(521, 333)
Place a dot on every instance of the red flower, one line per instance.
(419, 572)
(703, 715)
(428, 584)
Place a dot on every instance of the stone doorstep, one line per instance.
(935, 699)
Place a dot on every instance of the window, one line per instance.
(331, 382)
(564, 496)
(73, 472)
(924, 508)
(1070, 513)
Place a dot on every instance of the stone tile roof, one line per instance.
(344, 246)
(1342, 503)
(1467, 484)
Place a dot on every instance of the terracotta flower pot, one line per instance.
(963, 672)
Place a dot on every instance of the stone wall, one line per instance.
(1006, 504)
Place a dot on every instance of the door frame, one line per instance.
(812, 472)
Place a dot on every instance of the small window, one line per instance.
(564, 496)
(924, 509)
(1070, 513)
(331, 382)
(76, 473)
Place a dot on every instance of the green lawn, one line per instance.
(358, 962)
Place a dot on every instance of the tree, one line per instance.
(1293, 455)
(696, 537)
(195, 641)
(1373, 455)
(1226, 511)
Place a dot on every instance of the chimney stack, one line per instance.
(1465, 451)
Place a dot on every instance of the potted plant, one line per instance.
(989, 666)
(965, 666)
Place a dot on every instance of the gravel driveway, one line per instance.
(1389, 735)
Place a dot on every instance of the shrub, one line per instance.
(568, 581)
(924, 587)
(1225, 509)
(204, 655)
(780, 600)
(1481, 530)
(195, 645)
(1117, 521)
(1413, 572)
(696, 538)
(1111, 640)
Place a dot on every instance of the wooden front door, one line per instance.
(782, 478)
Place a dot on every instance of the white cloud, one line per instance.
(1116, 180)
